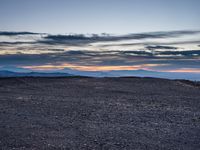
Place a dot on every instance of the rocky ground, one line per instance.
(99, 113)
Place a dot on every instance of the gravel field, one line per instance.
(99, 114)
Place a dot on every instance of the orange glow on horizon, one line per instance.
(90, 68)
(108, 68)
(185, 70)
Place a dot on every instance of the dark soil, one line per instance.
(99, 113)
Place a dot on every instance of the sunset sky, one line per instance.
(100, 35)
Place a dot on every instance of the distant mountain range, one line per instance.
(135, 73)
(5, 73)
(118, 73)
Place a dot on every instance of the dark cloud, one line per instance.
(67, 37)
(8, 33)
(161, 47)
(79, 39)
(15, 43)
(102, 58)
(139, 53)
(82, 40)
(51, 50)
(181, 53)
(75, 57)
(153, 43)
(81, 43)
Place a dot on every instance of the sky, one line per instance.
(99, 16)
(100, 35)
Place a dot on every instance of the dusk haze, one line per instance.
(75, 36)
(100, 74)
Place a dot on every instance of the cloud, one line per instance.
(161, 47)
(192, 53)
(101, 61)
(106, 40)
(100, 58)
(78, 39)
(15, 43)
(163, 54)
(137, 53)
(88, 50)
(143, 43)
(8, 33)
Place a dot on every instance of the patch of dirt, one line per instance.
(99, 113)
